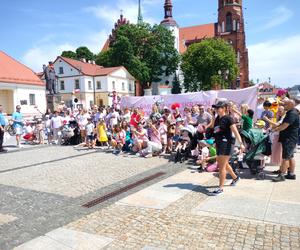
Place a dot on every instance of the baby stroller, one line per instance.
(183, 150)
(236, 160)
(67, 133)
(259, 146)
(75, 139)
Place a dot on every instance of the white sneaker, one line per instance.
(138, 154)
(19, 146)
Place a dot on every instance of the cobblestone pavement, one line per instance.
(70, 173)
(43, 188)
(186, 221)
(176, 227)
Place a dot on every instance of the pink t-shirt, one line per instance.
(155, 137)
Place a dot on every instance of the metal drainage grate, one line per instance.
(122, 190)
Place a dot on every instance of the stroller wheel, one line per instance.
(261, 176)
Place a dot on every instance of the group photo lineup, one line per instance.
(149, 125)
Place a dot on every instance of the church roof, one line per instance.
(105, 46)
(12, 71)
(88, 68)
(193, 33)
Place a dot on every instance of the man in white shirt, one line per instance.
(114, 117)
(56, 125)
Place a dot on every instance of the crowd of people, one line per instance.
(210, 136)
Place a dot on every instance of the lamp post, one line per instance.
(224, 74)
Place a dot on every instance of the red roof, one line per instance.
(195, 33)
(12, 71)
(88, 68)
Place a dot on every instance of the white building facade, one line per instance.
(19, 85)
(91, 84)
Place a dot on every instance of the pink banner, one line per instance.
(207, 98)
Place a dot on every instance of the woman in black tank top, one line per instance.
(224, 127)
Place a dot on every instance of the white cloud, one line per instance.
(37, 56)
(278, 59)
(277, 17)
(111, 13)
(95, 41)
(46, 50)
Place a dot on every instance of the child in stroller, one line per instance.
(183, 149)
(259, 146)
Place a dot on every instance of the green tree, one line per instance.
(147, 52)
(202, 62)
(84, 52)
(251, 83)
(69, 54)
(176, 88)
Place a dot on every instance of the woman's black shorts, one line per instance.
(224, 148)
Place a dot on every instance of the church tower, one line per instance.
(170, 23)
(232, 29)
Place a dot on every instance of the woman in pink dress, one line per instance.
(276, 157)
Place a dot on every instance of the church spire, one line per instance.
(168, 9)
(140, 17)
(169, 14)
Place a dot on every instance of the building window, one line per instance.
(61, 70)
(129, 87)
(238, 57)
(62, 85)
(229, 22)
(113, 85)
(123, 86)
(90, 85)
(99, 85)
(77, 85)
(223, 27)
(31, 99)
(234, 25)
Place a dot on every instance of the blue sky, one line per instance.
(35, 32)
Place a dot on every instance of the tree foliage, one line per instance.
(202, 62)
(147, 52)
(80, 53)
(69, 54)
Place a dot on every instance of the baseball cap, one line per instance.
(220, 104)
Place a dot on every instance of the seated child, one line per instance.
(207, 159)
(118, 139)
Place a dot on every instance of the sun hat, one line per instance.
(260, 123)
